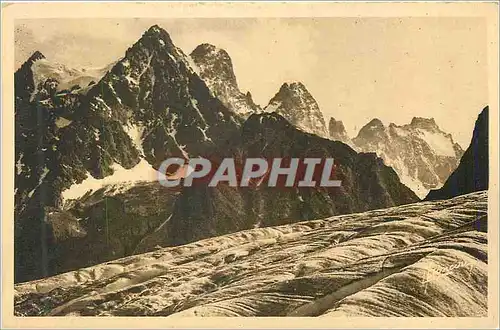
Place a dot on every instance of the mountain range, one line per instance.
(88, 145)
(85, 154)
(422, 154)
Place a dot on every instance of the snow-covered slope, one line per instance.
(66, 77)
(420, 152)
(423, 259)
(142, 172)
(294, 102)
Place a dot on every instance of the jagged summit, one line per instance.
(293, 87)
(375, 123)
(37, 55)
(336, 126)
(211, 58)
(206, 48)
(154, 38)
(337, 131)
(421, 154)
(294, 102)
(425, 123)
(157, 31)
(367, 132)
(215, 67)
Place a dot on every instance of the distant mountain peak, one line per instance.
(294, 102)
(373, 127)
(212, 59)
(421, 154)
(206, 48)
(375, 122)
(153, 38)
(215, 67)
(294, 86)
(156, 30)
(425, 123)
(337, 132)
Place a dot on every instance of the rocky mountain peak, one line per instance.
(215, 67)
(421, 154)
(212, 51)
(375, 123)
(37, 55)
(294, 102)
(374, 127)
(24, 78)
(154, 40)
(337, 131)
(213, 59)
(336, 126)
(292, 89)
(424, 123)
(158, 32)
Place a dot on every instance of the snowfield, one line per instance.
(423, 259)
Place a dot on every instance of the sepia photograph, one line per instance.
(284, 160)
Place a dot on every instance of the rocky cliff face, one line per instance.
(294, 102)
(216, 69)
(420, 152)
(86, 189)
(472, 174)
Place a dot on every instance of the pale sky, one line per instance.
(357, 69)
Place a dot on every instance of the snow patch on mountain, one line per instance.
(143, 171)
(135, 133)
(45, 171)
(62, 122)
(441, 144)
(19, 164)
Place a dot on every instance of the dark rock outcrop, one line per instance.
(472, 174)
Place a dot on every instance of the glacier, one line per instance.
(421, 259)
